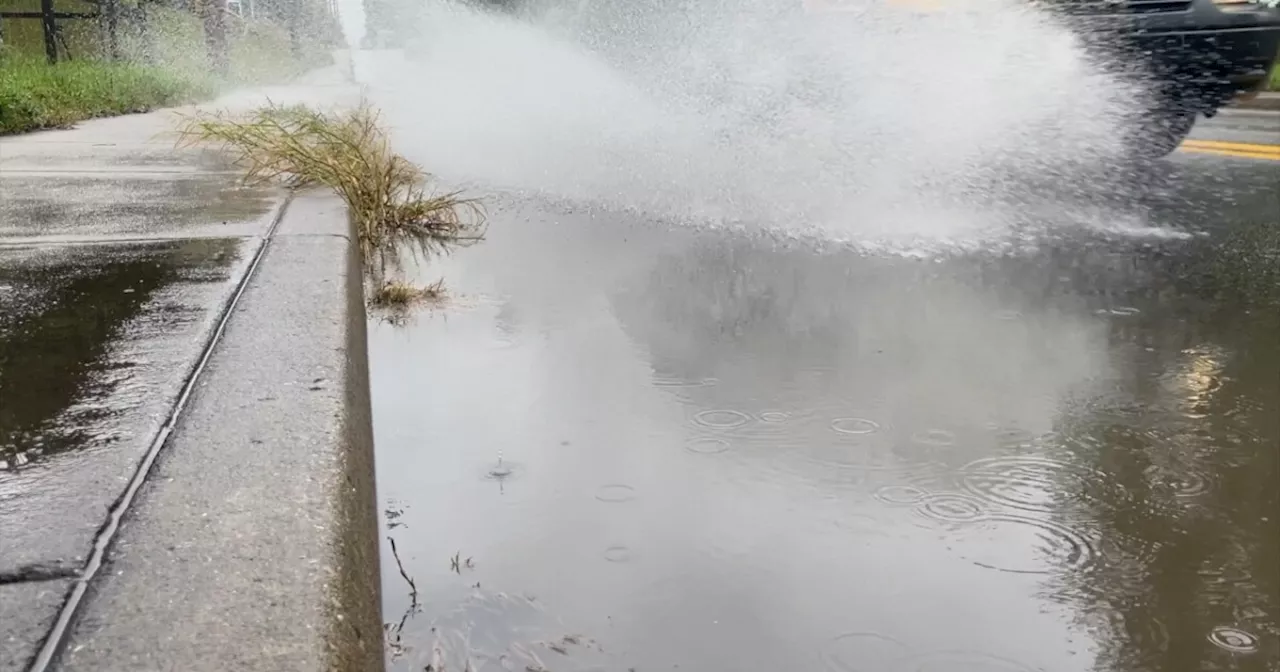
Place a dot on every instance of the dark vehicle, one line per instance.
(1198, 55)
(1195, 56)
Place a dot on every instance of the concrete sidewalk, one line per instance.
(186, 473)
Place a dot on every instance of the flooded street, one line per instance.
(784, 352)
(727, 450)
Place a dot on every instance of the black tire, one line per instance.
(1160, 130)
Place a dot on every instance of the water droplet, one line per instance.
(951, 508)
(616, 493)
(934, 437)
(900, 495)
(862, 652)
(721, 419)
(707, 446)
(1025, 545)
(854, 426)
(503, 470)
(1028, 483)
(1233, 639)
(617, 554)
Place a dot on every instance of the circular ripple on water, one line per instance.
(1182, 481)
(722, 419)
(862, 652)
(854, 426)
(615, 493)
(959, 661)
(951, 508)
(934, 437)
(1025, 545)
(1232, 639)
(773, 417)
(1027, 483)
(707, 446)
(618, 554)
(901, 495)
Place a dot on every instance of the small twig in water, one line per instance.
(413, 587)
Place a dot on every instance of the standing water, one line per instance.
(811, 344)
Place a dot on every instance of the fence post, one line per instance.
(113, 24)
(212, 16)
(50, 30)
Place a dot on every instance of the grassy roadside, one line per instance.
(35, 95)
(162, 72)
(398, 216)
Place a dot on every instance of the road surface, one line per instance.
(739, 449)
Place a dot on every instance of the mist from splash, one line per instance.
(879, 124)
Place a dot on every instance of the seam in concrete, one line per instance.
(52, 644)
(339, 236)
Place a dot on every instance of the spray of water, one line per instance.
(879, 124)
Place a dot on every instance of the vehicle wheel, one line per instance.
(1160, 131)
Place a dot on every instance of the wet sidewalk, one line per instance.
(120, 256)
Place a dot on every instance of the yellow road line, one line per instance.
(1239, 155)
(1239, 149)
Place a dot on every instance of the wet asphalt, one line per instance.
(628, 444)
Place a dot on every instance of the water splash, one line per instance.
(881, 125)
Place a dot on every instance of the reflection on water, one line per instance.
(740, 453)
(71, 321)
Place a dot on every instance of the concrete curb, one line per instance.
(253, 543)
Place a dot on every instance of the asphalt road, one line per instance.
(633, 444)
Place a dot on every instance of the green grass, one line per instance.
(170, 68)
(388, 197)
(1274, 84)
(35, 95)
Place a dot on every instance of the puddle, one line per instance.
(95, 343)
(742, 451)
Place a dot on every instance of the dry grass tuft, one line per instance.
(349, 153)
(396, 294)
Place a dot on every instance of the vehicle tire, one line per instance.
(1160, 131)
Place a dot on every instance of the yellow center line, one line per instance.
(1237, 149)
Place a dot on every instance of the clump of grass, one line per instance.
(348, 151)
(36, 95)
(398, 294)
